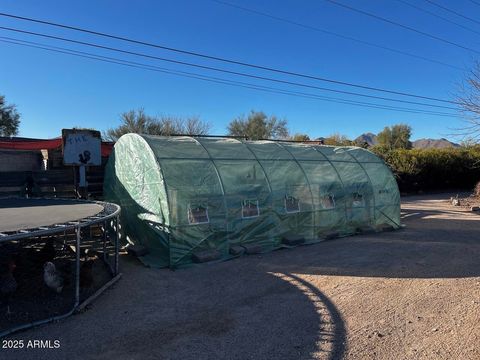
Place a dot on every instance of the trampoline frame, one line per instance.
(110, 212)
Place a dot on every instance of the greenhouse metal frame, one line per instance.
(183, 195)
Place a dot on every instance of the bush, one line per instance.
(433, 169)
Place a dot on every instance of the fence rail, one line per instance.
(50, 183)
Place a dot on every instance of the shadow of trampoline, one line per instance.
(332, 339)
(231, 310)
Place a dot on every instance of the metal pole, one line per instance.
(77, 266)
(105, 240)
(116, 245)
(64, 240)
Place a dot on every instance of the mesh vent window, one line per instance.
(327, 201)
(250, 209)
(292, 204)
(357, 200)
(198, 214)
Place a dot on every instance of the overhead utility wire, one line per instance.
(438, 16)
(328, 32)
(260, 67)
(452, 11)
(435, 37)
(213, 79)
(258, 77)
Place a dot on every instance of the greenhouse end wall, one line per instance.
(183, 196)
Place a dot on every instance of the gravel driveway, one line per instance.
(409, 294)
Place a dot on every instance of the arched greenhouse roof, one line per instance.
(184, 195)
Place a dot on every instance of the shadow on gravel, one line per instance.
(259, 306)
(231, 310)
(434, 244)
(249, 315)
(332, 340)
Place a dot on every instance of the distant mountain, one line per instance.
(433, 143)
(369, 138)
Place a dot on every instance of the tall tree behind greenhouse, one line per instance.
(338, 139)
(395, 137)
(137, 121)
(300, 137)
(257, 125)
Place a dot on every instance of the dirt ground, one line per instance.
(409, 294)
(468, 201)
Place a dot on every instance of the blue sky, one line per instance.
(54, 91)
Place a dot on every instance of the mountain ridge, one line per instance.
(423, 143)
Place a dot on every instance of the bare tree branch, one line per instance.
(136, 121)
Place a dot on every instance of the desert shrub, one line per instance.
(433, 169)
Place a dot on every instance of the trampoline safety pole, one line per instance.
(64, 239)
(116, 244)
(77, 265)
(105, 240)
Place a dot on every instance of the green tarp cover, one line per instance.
(185, 195)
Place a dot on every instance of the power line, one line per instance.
(435, 37)
(331, 33)
(230, 61)
(439, 16)
(475, 2)
(117, 61)
(209, 78)
(231, 72)
(452, 11)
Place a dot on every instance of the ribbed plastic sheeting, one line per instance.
(184, 195)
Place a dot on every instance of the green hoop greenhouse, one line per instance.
(182, 196)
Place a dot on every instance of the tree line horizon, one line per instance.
(255, 126)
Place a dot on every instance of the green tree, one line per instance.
(395, 137)
(137, 121)
(338, 139)
(9, 118)
(300, 137)
(258, 126)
